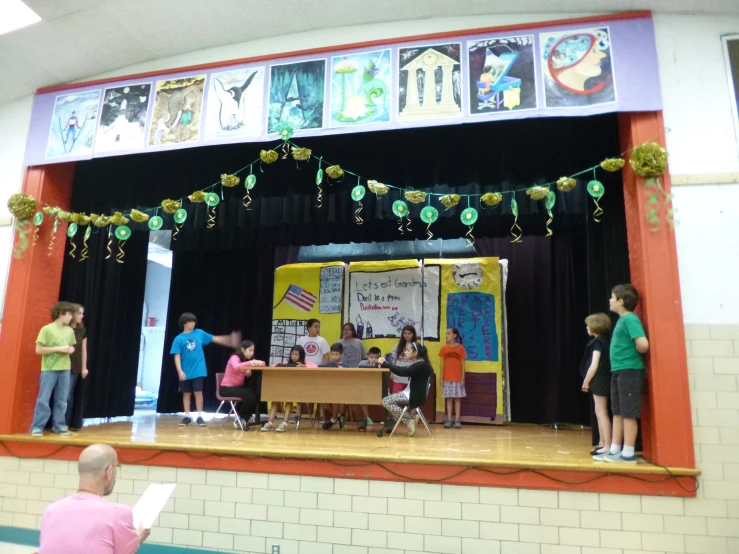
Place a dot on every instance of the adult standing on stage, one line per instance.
(354, 351)
(79, 370)
(399, 358)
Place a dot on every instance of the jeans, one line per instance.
(57, 382)
(73, 377)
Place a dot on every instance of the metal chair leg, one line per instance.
(215, 414)
(400, 418)
(236, 415)
(425, 423)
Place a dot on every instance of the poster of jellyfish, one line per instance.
(360, 88)
(72, 131)
(296, 92)
(122, 124)
(429, 82)
(235, 102)
(578, 68)
(502, 74)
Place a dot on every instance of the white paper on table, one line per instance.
(150, 504)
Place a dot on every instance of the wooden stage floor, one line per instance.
(520, 446)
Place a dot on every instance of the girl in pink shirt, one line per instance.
(234, 383)
(297, 359)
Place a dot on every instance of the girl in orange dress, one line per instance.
(453, 356)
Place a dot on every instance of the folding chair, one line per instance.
(232, 400)
(420, 413)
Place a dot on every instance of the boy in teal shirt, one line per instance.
(628, 345)
(54, 344)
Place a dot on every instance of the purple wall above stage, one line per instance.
(564, 70)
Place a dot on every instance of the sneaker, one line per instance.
(457, 424)
(340, 418)
(282, 427)
(185, 422)
(200, 421)
(369, 421)
(37, 433)
(448, 424)
(328, 424)
(411, 427)
(64, 432)
(619, 459)
(268, 427)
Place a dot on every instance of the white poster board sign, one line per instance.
(381, 303)
(332, 281)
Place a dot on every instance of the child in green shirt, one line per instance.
(54, 344)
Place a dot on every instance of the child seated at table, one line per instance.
(373, 356)
(297, 359)
(335, 355)
(235, 385)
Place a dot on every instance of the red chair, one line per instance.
(231, 400)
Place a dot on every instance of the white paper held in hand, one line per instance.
(150, 504)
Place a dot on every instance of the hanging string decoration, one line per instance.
(566, 184)
(156, 223)
(53, 236)
(286, 132)
(197, 197)
(71, 232)
(400, 209)
(415, 196)
(171, 206)
(268, 156)
(596, 190)
(249, 183)
(378, 188)
(122, 233)
(38, 219)
(302, 154)
(549, 202)
(469, 218)
(357, 195)
(429, 215)
(212, 200)
(537, 193)
(335, 172)
(450, 200)
(180, 216)
(110, 243)
(138, 216)
(491, 199)
(613, 164)
(118, 219)
(516, 231)
(230, 180)
(22, 206)
(649, 161)
(85, 248)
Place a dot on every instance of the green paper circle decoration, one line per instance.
(319, 177)
(38, 219)
(250, 181)
(88, 232)
(72, 230)
(212, 199)
(358, 193)
(596, 189)
(551, 200)
(400, 208)
(514, 207)
(429, 214)
(468, 216)
(180, 216)
(155, 223)
(122, 232)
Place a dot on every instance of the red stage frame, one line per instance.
(34, 281)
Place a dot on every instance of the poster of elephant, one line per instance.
(235, 103)
(360, 88)
(177, 110)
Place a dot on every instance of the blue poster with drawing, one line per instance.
(473, 314)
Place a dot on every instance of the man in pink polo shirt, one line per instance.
(85, 521)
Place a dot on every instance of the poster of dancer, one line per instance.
(502, 74)
(296, 93)
(72, 131)
(430, 82)
(235, 102)
(177, 110)
(360, 88)
(122, 124)
(578, 68)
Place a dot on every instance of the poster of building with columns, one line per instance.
(430, 82)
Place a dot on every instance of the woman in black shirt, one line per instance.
(414, 395)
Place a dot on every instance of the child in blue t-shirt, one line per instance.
(189, 359)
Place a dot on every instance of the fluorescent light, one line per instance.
(14, 14)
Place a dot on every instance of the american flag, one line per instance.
(300, 298)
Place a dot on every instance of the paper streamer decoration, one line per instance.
(319, 180)
(38, 219)
(71, 232)
(110, 243)
(179, 218)
(85, 249)
(469, 218)
(400, 209)
(155, 223)
(516, 231)
(596, 190)
(122, 233)
(551, 199)
(357, 195)
(249, 183)
(429, 215)
(212, 200)
(53, 236)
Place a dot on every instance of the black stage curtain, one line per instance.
(113, 296)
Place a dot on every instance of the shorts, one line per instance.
(600, 385)
(627, 386)
(196, 384)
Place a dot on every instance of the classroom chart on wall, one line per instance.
(561, 68)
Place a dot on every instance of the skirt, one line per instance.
(600, 384)
(454, 389)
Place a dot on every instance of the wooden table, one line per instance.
(324, 385)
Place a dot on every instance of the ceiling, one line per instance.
(79, 39)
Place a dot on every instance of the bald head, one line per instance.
(95, 458)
